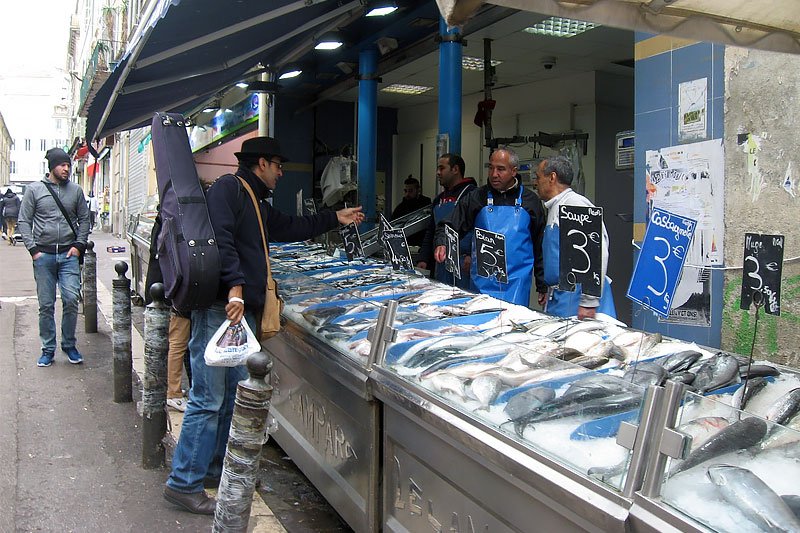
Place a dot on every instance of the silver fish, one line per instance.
(754, 498)
(527, 401)
(744, 393)
(485, 389)
(680, 361)
(589, 362)
(702, 429)
(583, 341)
(447, 383)
(785, 408)
(737, 436)
(721, 370)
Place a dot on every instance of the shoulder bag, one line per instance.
(270, 323)
(66, 216)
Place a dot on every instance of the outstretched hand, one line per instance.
(440, 254)
(350, 215)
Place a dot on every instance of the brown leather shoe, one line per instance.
(197, 502)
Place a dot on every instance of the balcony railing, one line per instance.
(98, 64)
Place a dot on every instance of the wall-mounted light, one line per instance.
(329, 41)
(381, 8)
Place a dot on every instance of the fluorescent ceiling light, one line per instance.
(403, 88)
(560, 27)
(242, 85)
(381, 11)
(328, 45)
(475, 63)
(290, 74)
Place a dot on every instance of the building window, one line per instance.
(12, 144)
(43, 145)
(58, 123)
(44, 167)
(13, 167)
(27, 145)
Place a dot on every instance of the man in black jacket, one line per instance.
(510, 219)
(204, 433)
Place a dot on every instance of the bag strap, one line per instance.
(61, 207)
(260, 223)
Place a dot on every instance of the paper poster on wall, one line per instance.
(688, 180)
(692, 123)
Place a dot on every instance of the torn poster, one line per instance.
(692, 97)
(752, 146)
(788, 182)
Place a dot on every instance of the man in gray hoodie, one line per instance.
(55, 242)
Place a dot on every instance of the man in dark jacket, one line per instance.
(55, 242)
(197, 461)
(9, 206)
(510, 219)
(450, 173)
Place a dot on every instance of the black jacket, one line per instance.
(9, 205)
(239, 238)
(426, 249)
(465, 213)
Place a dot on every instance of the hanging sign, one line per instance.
(581, 250)
(394, 245)
(491, 255)
(763, 264)
(661, 259)
(453, 261)
(351, 241)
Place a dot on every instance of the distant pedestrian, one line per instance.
(54, 223)
(9, 211)
(92, 203)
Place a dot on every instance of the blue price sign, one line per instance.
(658, 269)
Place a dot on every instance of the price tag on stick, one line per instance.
(491, 255)
(395, 248)
(581, 253)
(351, 240)
(661, 259)
(763, 264)
(453, 261)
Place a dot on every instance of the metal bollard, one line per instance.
(243, 453)
(90, 289)
(121, 335)
(154, 395)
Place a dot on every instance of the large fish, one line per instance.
(485, 389)
(721, 370)
(754, 498)
(646, 374)
(737, 436)
(589, 362)
(793, 501)
(702, 429)
(785, 408)
(758, 370)
(745, 393)
(678, 362)
(597, 407)
(527, 401)
(583, 341)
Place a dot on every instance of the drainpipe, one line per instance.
(367, 131)
(450, 86)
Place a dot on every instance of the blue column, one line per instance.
(450, 87)
(367, 131)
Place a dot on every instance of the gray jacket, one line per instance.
(43, 227)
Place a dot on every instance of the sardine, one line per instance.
(784, 408)
(737, 436)
(754, 498)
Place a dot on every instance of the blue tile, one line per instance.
(652, 133)
(716, 114)
(717, 81)
(652, 81)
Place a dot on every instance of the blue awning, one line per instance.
(185, 51)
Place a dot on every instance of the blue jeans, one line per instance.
(207, 420)
(49, 270)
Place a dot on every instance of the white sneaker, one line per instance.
(179, 404)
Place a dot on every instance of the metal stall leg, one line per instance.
(90, 289)
(243, 453)
(154, 395)
(121, 335)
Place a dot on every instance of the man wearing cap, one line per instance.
(197, 462)
(54, 224)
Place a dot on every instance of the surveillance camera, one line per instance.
(548, 63)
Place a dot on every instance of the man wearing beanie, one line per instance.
(54, 223)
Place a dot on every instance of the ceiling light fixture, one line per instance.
(381, 8)
(291, 73)
(329, 41)
(560, 27)
(242, 85)
(476, 63)
(404, 88)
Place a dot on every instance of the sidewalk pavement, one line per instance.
(74, 426)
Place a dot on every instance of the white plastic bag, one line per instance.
(231, 344)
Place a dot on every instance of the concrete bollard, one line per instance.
(154, 394)
(121, 335)
(90, 289)
(243, 454)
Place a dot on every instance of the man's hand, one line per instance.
(73, 251)
(36, 256)
(542, 298)
(586, 312)
(423, 265)
(350, 215)
(467, 263)
(440, 254)
(235, 308)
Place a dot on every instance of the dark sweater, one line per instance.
(467, 209)
(239, 238)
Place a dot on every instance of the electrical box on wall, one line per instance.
(623, 153)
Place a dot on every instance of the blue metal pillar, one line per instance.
(450, 86)
(367, 131)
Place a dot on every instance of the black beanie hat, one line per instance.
(55, 157)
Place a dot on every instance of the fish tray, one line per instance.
(469, 320)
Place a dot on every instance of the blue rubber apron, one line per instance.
(562, 303)
(513, 222)
(441, 212)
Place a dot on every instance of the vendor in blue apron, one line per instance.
(553, 179)
(450, 173)
(510, 221)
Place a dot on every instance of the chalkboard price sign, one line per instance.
(661, 259)
(581, 254)
(395, 248)
(763, 264)
(491, 255)
(310, 206)
(351, 241)
(453, 261)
